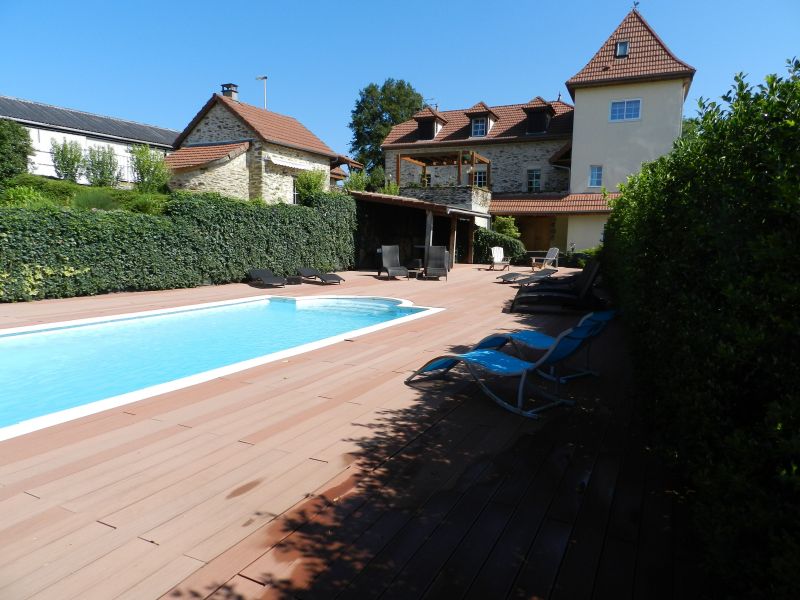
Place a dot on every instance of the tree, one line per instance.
(15, 148)
(67, 159)
(309, 183)
(102, 167)
(150, 171)
(507, 226)
(377, 110)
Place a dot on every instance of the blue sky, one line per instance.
(158, 62)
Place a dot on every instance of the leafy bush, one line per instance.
(309, 183)
(149, 204)
(701, 249)
(102, 168)
(59, 191)
(199, 238)
(357, 181)
(67, 159)
(15, 148)
(150, 171)
(97, 198)
(25, 197)
(506, 226)
(485, 240)
(391, 188)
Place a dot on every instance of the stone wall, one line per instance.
(278, 180)
(229, 178)
(510, 163)
(464, 196)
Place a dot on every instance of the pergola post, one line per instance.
(489, 175)
(428, 233)
(452, 244)
(424, 173)
(398, 168)
(458, 176)
(470, 248)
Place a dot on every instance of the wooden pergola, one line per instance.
(458, 159)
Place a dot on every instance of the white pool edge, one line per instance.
(70, 414)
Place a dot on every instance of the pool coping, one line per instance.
(70, 414)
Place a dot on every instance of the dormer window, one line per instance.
(621, 50)
(426, 129)
(479, 127)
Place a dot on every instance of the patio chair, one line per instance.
(536, 277)
(510, 277)
(265, 277)
(503, 365)
(498, 259)
(390, 255)
(573, 294)
(436, 262)
(323, 277)
(536, 340)
(549, 260)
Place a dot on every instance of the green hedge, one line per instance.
(701, 251)
(57, 253)
(485, 240)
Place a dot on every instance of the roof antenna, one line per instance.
(559, 97)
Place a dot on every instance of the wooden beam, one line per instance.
(399, 158)
(458, 176)
(413, 161)
(470, 240)
(452, 244)
(489, 175)
(428, 233)
(479, 158)
(424, 172)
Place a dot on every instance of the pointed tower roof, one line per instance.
(645, 58)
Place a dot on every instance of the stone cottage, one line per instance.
(248, 152)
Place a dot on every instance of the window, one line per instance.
(479, 179)
(295, 194)
(479, 127)
(595, 176)
(625, 110)
(534, 180)
(621, 50)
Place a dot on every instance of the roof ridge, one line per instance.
(658, 39)
(271, 112)
(516, 104)
(83, 112)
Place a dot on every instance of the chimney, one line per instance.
(231, 90)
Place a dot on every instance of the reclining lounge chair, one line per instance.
(573, 294)
(390, 256)
(265, 277)
(500, 364)
(323, 277)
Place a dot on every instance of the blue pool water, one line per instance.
(47, 371)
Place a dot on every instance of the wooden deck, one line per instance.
(324, 476)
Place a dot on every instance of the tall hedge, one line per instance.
(485, 240)
(702, 252)
(57, 253)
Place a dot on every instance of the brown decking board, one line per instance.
(324, 476)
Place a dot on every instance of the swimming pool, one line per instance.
(56, 372)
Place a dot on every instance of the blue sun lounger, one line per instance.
(500, 364)
(536, 340)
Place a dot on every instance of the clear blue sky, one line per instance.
(158, 62)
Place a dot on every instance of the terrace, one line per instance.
(325, 476)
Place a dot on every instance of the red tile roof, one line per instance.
(269, 126)
(536, 103)
(648, 58)
(551, 204)
(510, 127)
(480, 109)
(428, 113)
(191, 157)
(338, 174)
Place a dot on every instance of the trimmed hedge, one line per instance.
(701, 251)
(485, 240)
(57, 253)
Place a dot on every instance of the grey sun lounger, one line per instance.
(536, 277)
(436, 262)
(390, 256)
(323, 277)
(265, 277)
(510, 277)
(576, 294)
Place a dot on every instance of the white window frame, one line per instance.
(295, 194)
(624, 102)
(536, 180)
(617, 47)
(476, 121)
(479, 175)
(591, 176)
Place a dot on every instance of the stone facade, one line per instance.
(464, 196)
(510, 164)
(228, 177)
(262, 177)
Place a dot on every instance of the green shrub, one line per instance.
(25, 197)
(59, 191)
(506, 226)
(101, 166)
(485, 240)
(309, 183)
(701, 250)
(150, 171)
(67, 159)
(199, 238)
(15, 148)
(149, 204)
(95, 198)
(391, 188)
(357, 181)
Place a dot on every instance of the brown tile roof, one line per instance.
(269, 126)
(191, 157)
(509, 127)
(428, 113)
(536, 103)
(648, 58)
(479, 109)
(338, 174)
(551, 204)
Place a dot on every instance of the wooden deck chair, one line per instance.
(498, 259)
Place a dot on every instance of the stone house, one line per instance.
(550, 164)
(248, 152)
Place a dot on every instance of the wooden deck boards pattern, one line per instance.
(324, 476)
